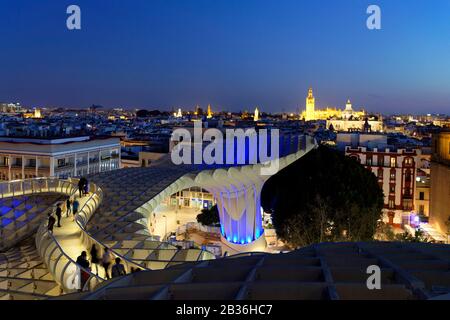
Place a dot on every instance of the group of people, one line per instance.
(71, 208)
(83, 186)
(117, 270)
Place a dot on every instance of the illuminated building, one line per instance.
(256, 115)
(22, 158)
(348, 111)
(10, 108)
(209, 112)
(369, 124)
(311, 113)
(395, 168)
(310, 106)
(37, 113)
(440, 183)
(422, 194)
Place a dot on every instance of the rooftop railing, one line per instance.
(67, 273)
(65, 270)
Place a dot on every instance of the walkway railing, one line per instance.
(65, 270)
(162, 256)
(17, 228)
(67, 273)
(82, 219)
(33, 186)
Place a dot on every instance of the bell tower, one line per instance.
(310, 105)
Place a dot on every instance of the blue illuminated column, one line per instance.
(241, 218)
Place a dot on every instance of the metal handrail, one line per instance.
(82, 225)
(14, 188)
(43, 237)
(43, 232)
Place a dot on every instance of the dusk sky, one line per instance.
(234, 54)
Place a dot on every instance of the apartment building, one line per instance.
(397, 172)
(440, 183)
(22, 158)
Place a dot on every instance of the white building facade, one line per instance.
(24, 158)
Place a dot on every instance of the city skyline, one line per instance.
(232, 55)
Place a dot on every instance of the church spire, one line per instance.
(209, 112)
(310, 106)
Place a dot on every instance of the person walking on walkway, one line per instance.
(94, 257)
(59, 214)
(86, 187)
(118, 269)
(81, 183)
(106, 261)
(83, 262)
(75, 207)
(68, 207)
(51, 222)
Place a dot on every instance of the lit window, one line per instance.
(391, 204)
(393, 162)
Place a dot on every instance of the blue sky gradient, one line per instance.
(234, 54)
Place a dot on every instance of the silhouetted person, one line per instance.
(68, 207)
(51, 222)
(59, 214)
(83, 263)
(86, 187)
(94, 257)
(106, 262)
(81, 184)
(75, 207)
(118, 269)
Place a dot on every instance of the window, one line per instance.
(392, 176)
(381, 161)
(32, 162)
(422, 196)
(408, 176)
(369, 161)
(391, 189)
(380, 174)
(61, 162)
(408, 161)
(391, 204)
(421, 209)
(407, 192)
(18, 162)
(407, 204)
(393, 162)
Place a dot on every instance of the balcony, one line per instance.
(64, 166)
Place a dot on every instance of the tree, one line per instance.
(324, 196)
(419, 236)
(385, 232)
(209, 217)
